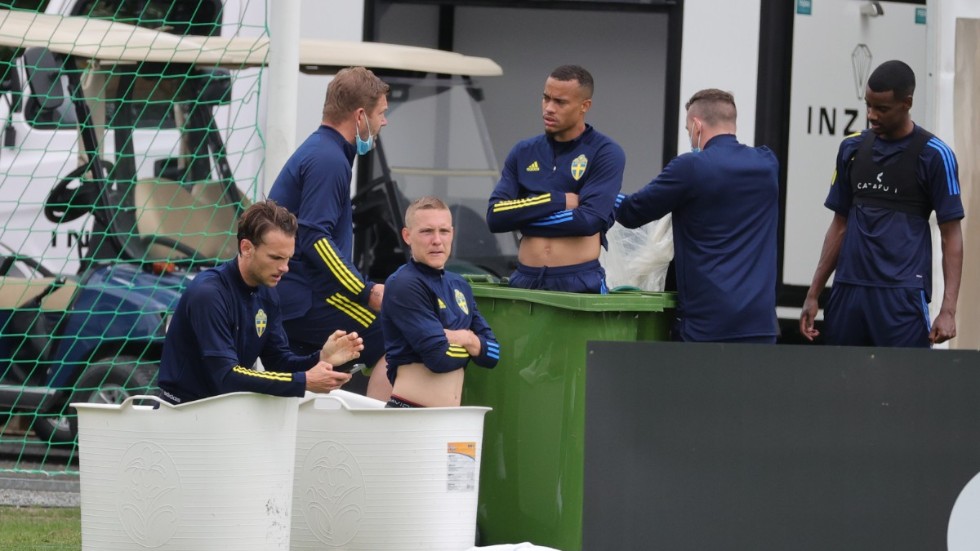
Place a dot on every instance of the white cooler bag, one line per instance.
(370, 478)
(215, 474)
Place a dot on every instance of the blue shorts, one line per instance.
(588, 277)
(856, 315)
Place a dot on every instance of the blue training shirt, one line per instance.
(725, 205)
(884, 247)
(220, 327)
(314, 185)
(537, 174)
(420, 302)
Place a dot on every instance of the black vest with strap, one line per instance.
(895, 185)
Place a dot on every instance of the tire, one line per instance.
(105, 381)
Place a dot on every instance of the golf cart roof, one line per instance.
(113, 42)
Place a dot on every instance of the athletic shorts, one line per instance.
(399, 402)
(856, 315)
(588, 277)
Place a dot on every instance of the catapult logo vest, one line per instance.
(893, 185)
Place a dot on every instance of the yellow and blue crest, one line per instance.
(261, 322)
(578, 166)
(461, 301)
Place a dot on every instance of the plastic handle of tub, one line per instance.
(128, 402)
(329, 402)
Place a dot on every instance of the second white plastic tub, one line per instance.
(370, 478)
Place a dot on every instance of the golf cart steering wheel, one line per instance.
(65, 204)
(191, 253)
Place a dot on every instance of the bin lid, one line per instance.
(626, 301)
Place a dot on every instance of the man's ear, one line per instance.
(405, 235)
(247, 248)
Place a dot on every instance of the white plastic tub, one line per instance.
(370, 478)
(215, 474)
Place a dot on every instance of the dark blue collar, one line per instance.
(573, 143)
(729, 139)
(425, 269)
(233, 274)
(350, 151)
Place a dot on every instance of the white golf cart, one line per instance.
(116, 176)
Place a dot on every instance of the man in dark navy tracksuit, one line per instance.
(229, 316)
(431, 325)
(559, 190)
(888, 181)
(323, 291)
(724, 201)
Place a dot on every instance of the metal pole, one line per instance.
(283, 86)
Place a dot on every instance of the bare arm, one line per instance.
(825, 266)
(944, 327)
(465, 338)
(377, 295)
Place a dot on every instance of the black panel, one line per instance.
(773, 102)
(672, 96)
(754, 447)
(617, 5)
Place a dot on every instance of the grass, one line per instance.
(40, 528)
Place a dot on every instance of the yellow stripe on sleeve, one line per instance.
(360, 314)
(338, 268)
(268, 375)
(456, 351)
(521, 203)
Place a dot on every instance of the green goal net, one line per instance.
(131, 142)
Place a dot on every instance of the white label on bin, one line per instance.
(461, 467)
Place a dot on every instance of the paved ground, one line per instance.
(26, 490)
(36, 475)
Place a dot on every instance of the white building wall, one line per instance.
(721, 50)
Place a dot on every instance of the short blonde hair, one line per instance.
(713, 105)
(351, 89)
(423, 203)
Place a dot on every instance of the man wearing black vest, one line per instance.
(888, 181)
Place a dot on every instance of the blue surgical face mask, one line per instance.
(697, 148)
(363, 147)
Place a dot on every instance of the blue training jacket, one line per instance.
(220, 327)
(530, 195)
(420, 302)
(315, 186)
(725, 205)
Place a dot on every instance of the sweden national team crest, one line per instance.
(461, 301)
(578, 166)
(261, 321)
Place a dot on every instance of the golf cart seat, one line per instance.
(18, 292)
(197, 217)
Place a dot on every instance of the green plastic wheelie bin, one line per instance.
(531, 479)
